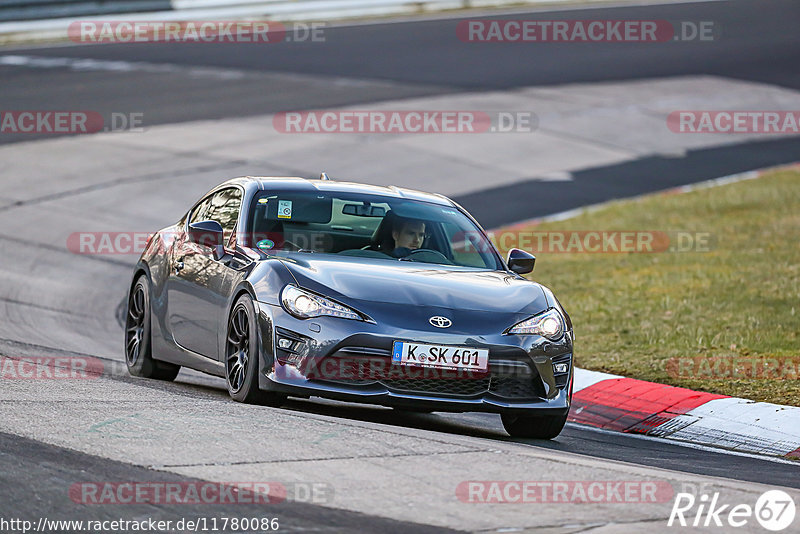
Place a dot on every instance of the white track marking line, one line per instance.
(86, 64)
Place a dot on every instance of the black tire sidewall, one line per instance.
(536, 427)
(249, 392)
(146, 366)
(144, 363)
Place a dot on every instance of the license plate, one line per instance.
(440, 356)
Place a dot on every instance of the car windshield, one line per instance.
(369, 226)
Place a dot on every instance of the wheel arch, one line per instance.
(141, 269)
(244, 288)
(264, 320)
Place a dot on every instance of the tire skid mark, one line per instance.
(228, 164)
(64, 250)
(330, 458)
(46, 308)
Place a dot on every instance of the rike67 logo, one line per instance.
(774, 510)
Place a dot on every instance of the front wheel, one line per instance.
(138, 343)
(411, 410)
(536, 427)
(242, 357)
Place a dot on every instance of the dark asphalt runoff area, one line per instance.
(387, 61)
(637, 177)
(579, 440)
(758, 43)
(29, 464)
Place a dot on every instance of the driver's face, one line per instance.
(410, 236)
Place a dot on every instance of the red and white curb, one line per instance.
(624, 404)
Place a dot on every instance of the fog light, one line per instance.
(560, 368)
(284, 343)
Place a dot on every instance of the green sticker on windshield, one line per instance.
(265, 244)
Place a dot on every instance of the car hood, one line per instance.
(359, 282)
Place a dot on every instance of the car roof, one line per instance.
(296, 183)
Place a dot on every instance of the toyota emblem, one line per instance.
(440, 322)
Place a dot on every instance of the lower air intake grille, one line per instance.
(516, 388)
(440, 386)
(362, 366)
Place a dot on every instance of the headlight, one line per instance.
(548, 324)
(305, 305)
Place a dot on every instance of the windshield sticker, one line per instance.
(263, 200)
(449, 212)
(284, 209)
(265, 244)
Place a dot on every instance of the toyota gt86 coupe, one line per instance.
(382, 295)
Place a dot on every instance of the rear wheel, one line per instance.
(242, 357)
(537, 427)
(138, 343)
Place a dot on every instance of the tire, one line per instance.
(242, 357)
(138, 342)
(536, 427)
(412, 410)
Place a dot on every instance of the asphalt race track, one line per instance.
(382, 470)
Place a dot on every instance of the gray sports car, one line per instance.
(296, 287)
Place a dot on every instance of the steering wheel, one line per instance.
(427, 255)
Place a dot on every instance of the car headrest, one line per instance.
(382, 237)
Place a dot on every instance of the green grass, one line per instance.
(633, 311)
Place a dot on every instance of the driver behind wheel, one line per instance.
(408, 235)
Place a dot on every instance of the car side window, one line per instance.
(200, 212)
(224, 208)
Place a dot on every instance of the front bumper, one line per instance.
(521, 373)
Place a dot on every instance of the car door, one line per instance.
(197, 288)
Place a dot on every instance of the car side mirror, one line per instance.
(208, 234)
(520, 262)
